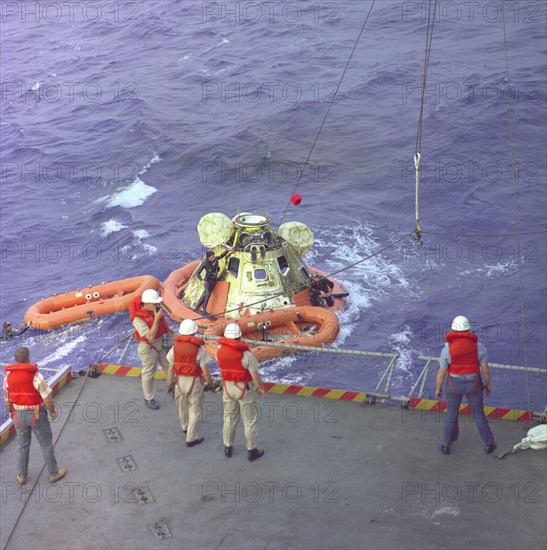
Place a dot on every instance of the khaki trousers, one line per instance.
(237, 405)
(189, 400)
(150, 359)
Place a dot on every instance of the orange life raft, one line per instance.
(284, 326)
(177, 281)
(82, 304)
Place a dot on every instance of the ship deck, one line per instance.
(335, 474)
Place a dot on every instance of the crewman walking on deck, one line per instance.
(462, 360)
(150, 326)
(28, 397)
(239, 367)
(187, 361)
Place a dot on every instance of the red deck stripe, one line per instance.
(293, 390)
(498, 413)
(320, 392)
(122, 371)
(525, 417)
(349, 396)
(466, 409)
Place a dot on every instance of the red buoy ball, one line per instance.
(296, 199)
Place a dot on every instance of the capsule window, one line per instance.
(260, 274)
(283, 265)
(233, 266)
(304, 272)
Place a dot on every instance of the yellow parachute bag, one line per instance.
(215, 229)
(297, 234)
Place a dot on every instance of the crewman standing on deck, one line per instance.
(462, 360)
(27, 397)
(211, 266)
(150, 326)
(238, 368)
(187, 361)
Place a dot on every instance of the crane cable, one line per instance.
(417, 155)
(328, 110)
(516, 211)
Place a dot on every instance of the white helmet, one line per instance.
(150, 296)
(232, 331)
(460, 323)
(188, 327)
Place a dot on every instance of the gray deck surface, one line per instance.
(335, 475)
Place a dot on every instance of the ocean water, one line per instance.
(122, 123)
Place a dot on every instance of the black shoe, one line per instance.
(254, 454)
(195, 442)
(444, 450)
(228, 451)
(151, 404)
(184, 431)
(489, 449)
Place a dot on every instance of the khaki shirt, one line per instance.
(143, 329)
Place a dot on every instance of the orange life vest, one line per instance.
(20, 386)
(186, 351)
(136, 310)
(464, 353)
(229, 356)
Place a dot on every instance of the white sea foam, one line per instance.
(154, 160)
(141, 234)
(400, 341)
(111, 226)
(63, 350)
(367, 282)
(221, 43)
(150, 249)
(131, 196)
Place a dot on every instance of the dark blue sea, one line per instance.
(122, 123)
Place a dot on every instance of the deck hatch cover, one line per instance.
(113, 435)
(143, 495)
(127, 463)
(160, 530)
